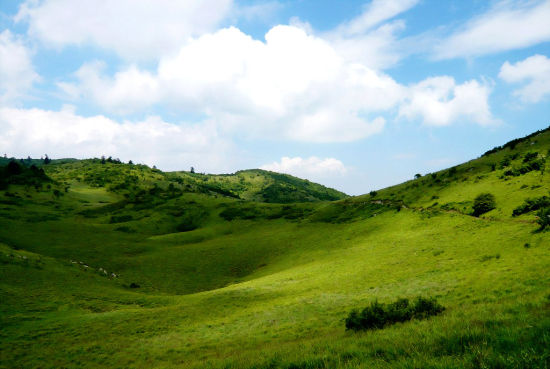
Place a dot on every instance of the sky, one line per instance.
(356, 95)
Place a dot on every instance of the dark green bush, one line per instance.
(532, 205)
(235, 212)
(120, 218)
(186, 227)
(544, 217)
(505, 162)
(377, 315)
(530, 156)
(529, 166)
(483, 203)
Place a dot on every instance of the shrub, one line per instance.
(13, 168)
(373, 193)
(530, 156)
(186, 227)
(483, 203)
(532, 165)
(532, 205)
(505, 162)
(120, 218)
(377, 315)
(544, 217)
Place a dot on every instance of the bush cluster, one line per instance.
(532, 205)
(526, 168)
(483, 203)
(377, 315)
(16, 173)
(544, 217)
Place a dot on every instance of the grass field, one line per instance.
(121, 273)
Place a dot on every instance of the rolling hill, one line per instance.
(105, 264)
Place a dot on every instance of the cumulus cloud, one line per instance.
(507, 26)
(294, 85)
(534, 72)
(120, 94)
(440, 101)
(312, 167)
(17, 74)
(152, 141)
(131, 28)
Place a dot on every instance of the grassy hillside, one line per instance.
(129, 180)
(128, 267)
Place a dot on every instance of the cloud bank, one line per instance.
(63, 133)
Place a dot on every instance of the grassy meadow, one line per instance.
(112, 265)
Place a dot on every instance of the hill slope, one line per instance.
(117, 271)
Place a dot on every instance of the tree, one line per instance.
(192, 170)
(483, 203)
(47, 160)
(417, 175)
(14, 168)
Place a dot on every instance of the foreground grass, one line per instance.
(495, 291)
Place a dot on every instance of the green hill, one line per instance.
(123, 266)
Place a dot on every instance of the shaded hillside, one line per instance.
(129, 180)
(264, 186)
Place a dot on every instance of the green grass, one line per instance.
(268, 285)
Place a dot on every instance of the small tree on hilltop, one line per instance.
(483, 203)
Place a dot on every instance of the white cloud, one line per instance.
(311, 168)
(369, 38)
(131, 28)
(440, 101)
(17, 74)
(152, 141)
(507, 26)
(293, 85)
(373, 14)
(534, 72)
(120, 94)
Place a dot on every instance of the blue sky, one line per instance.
(357, 95)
